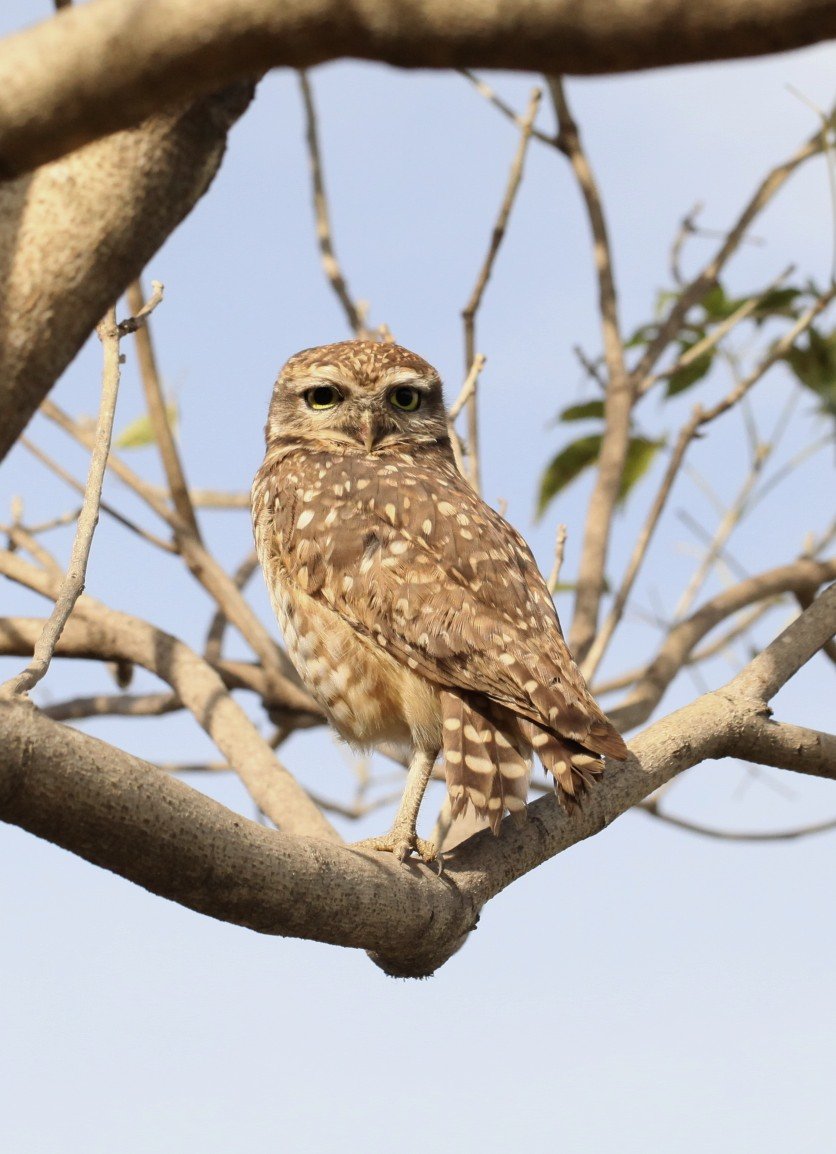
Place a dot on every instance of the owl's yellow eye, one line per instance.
(405, 398)
(323, 397)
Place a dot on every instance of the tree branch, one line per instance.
(322, 216)
(123, 814)
(203, 693)
(680, 642)
(94, 69)
(76, 232)
(72, 582)
(619, 396)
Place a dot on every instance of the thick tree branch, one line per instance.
(125, 815)
(76, 232)
(107, 65)
(203, 693)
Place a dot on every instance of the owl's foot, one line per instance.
(401, 843)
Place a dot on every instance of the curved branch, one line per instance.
(107, 65)
(203, 693)
(76, 232)
(649, 689)
(125, 815)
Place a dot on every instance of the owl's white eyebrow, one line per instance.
(399, 377)
(325, 377)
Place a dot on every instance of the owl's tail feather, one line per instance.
(573, 767)
(484, 767)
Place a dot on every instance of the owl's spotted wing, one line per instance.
(412, 558)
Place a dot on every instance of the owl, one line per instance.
(414, 612)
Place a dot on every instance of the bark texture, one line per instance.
(76, 232)
(109, 64)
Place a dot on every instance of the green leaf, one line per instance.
(643, 335)
(582, 412)
(569, 463)
(140, 432)
(778, 303)
(815, 367)
(640, 454)
(684, 378)
(717, 305)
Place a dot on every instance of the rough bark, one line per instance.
(108, 64)
(76, 232)
(127, 816)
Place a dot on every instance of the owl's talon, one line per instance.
(401, 845)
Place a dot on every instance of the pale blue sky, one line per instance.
(647, 990)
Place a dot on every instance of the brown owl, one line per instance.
(413, 612)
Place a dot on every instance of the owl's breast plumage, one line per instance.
(308, 517)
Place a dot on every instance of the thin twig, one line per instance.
(468, 388)
(20, 538)
(698, 420)
(114, 705)
(619, 394)
(158, 416)
(324, 235)
(559, 548)
(150, 494)
(474, 301)
(738, 630)
(202, 565)
(589, 367)
(650, 807)
(696, 289)
(139, 319)
(217, 627)
(74, 483)
(712, 339)
(493, 98)
(687, 227)
(73, 581)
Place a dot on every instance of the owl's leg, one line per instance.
(402, 839)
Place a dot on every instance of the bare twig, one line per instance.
(712, 339)
(619, 396)
(202, 565)
(507, 111)
(696, 289)
(218, 499)
(74, 483)
(703, 653)
(682, 638)
(805, 599)
(139, 319)
(468, 388)
(201, 690)
(217, 627)
(474, 301)
(651, 807)
(73, 582)
(20, 538)
(589, 367)
(687, 228)
(158, 415)
(717, 544)
(114, 705)
(324, 235)
(559, 548)
(698, 420)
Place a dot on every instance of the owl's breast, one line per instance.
(368, 695)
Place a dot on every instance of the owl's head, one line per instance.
(360, 395)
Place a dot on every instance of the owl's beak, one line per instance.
(369, 431)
